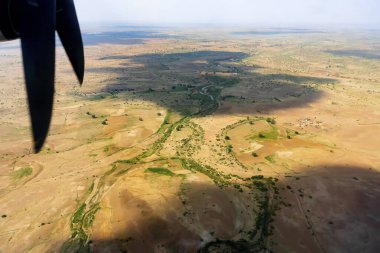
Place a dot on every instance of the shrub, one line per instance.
(271, 121)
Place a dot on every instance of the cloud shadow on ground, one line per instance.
(337, 212)
(207, 82)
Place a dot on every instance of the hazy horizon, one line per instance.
(232, 13)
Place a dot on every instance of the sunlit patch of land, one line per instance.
(208, 141)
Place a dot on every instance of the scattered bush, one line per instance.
(271, 121)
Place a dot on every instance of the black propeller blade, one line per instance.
(70, 35)
(37, 21)
(37, 33)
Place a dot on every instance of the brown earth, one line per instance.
(137, 159)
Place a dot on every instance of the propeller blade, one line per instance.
(37, 33)
(70, 35)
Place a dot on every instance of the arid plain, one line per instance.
(193, 140)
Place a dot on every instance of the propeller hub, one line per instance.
(9, 20)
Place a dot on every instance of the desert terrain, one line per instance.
(192, 140)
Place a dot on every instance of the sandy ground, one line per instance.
(140, 100)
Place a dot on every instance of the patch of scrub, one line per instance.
(160, 171)
(21, 173)
(270, 134)
(270, 158)
(291, 133)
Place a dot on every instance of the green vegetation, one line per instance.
(203, 97)
(218, 177)
(229, 148)
(257, 177)
(106, 148)
(291, 133)
(84, 216)
(206, 105)
(89, 191)
(260, 185)
(82, 220)
(23, 172)
(77, 217)
(193, 142)
(111, 149)
(165, 122)
(271, 134)
(264, 219)
(221, 80)
(271, 120)
(270, 158)
(98, 97)
(160, 171)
